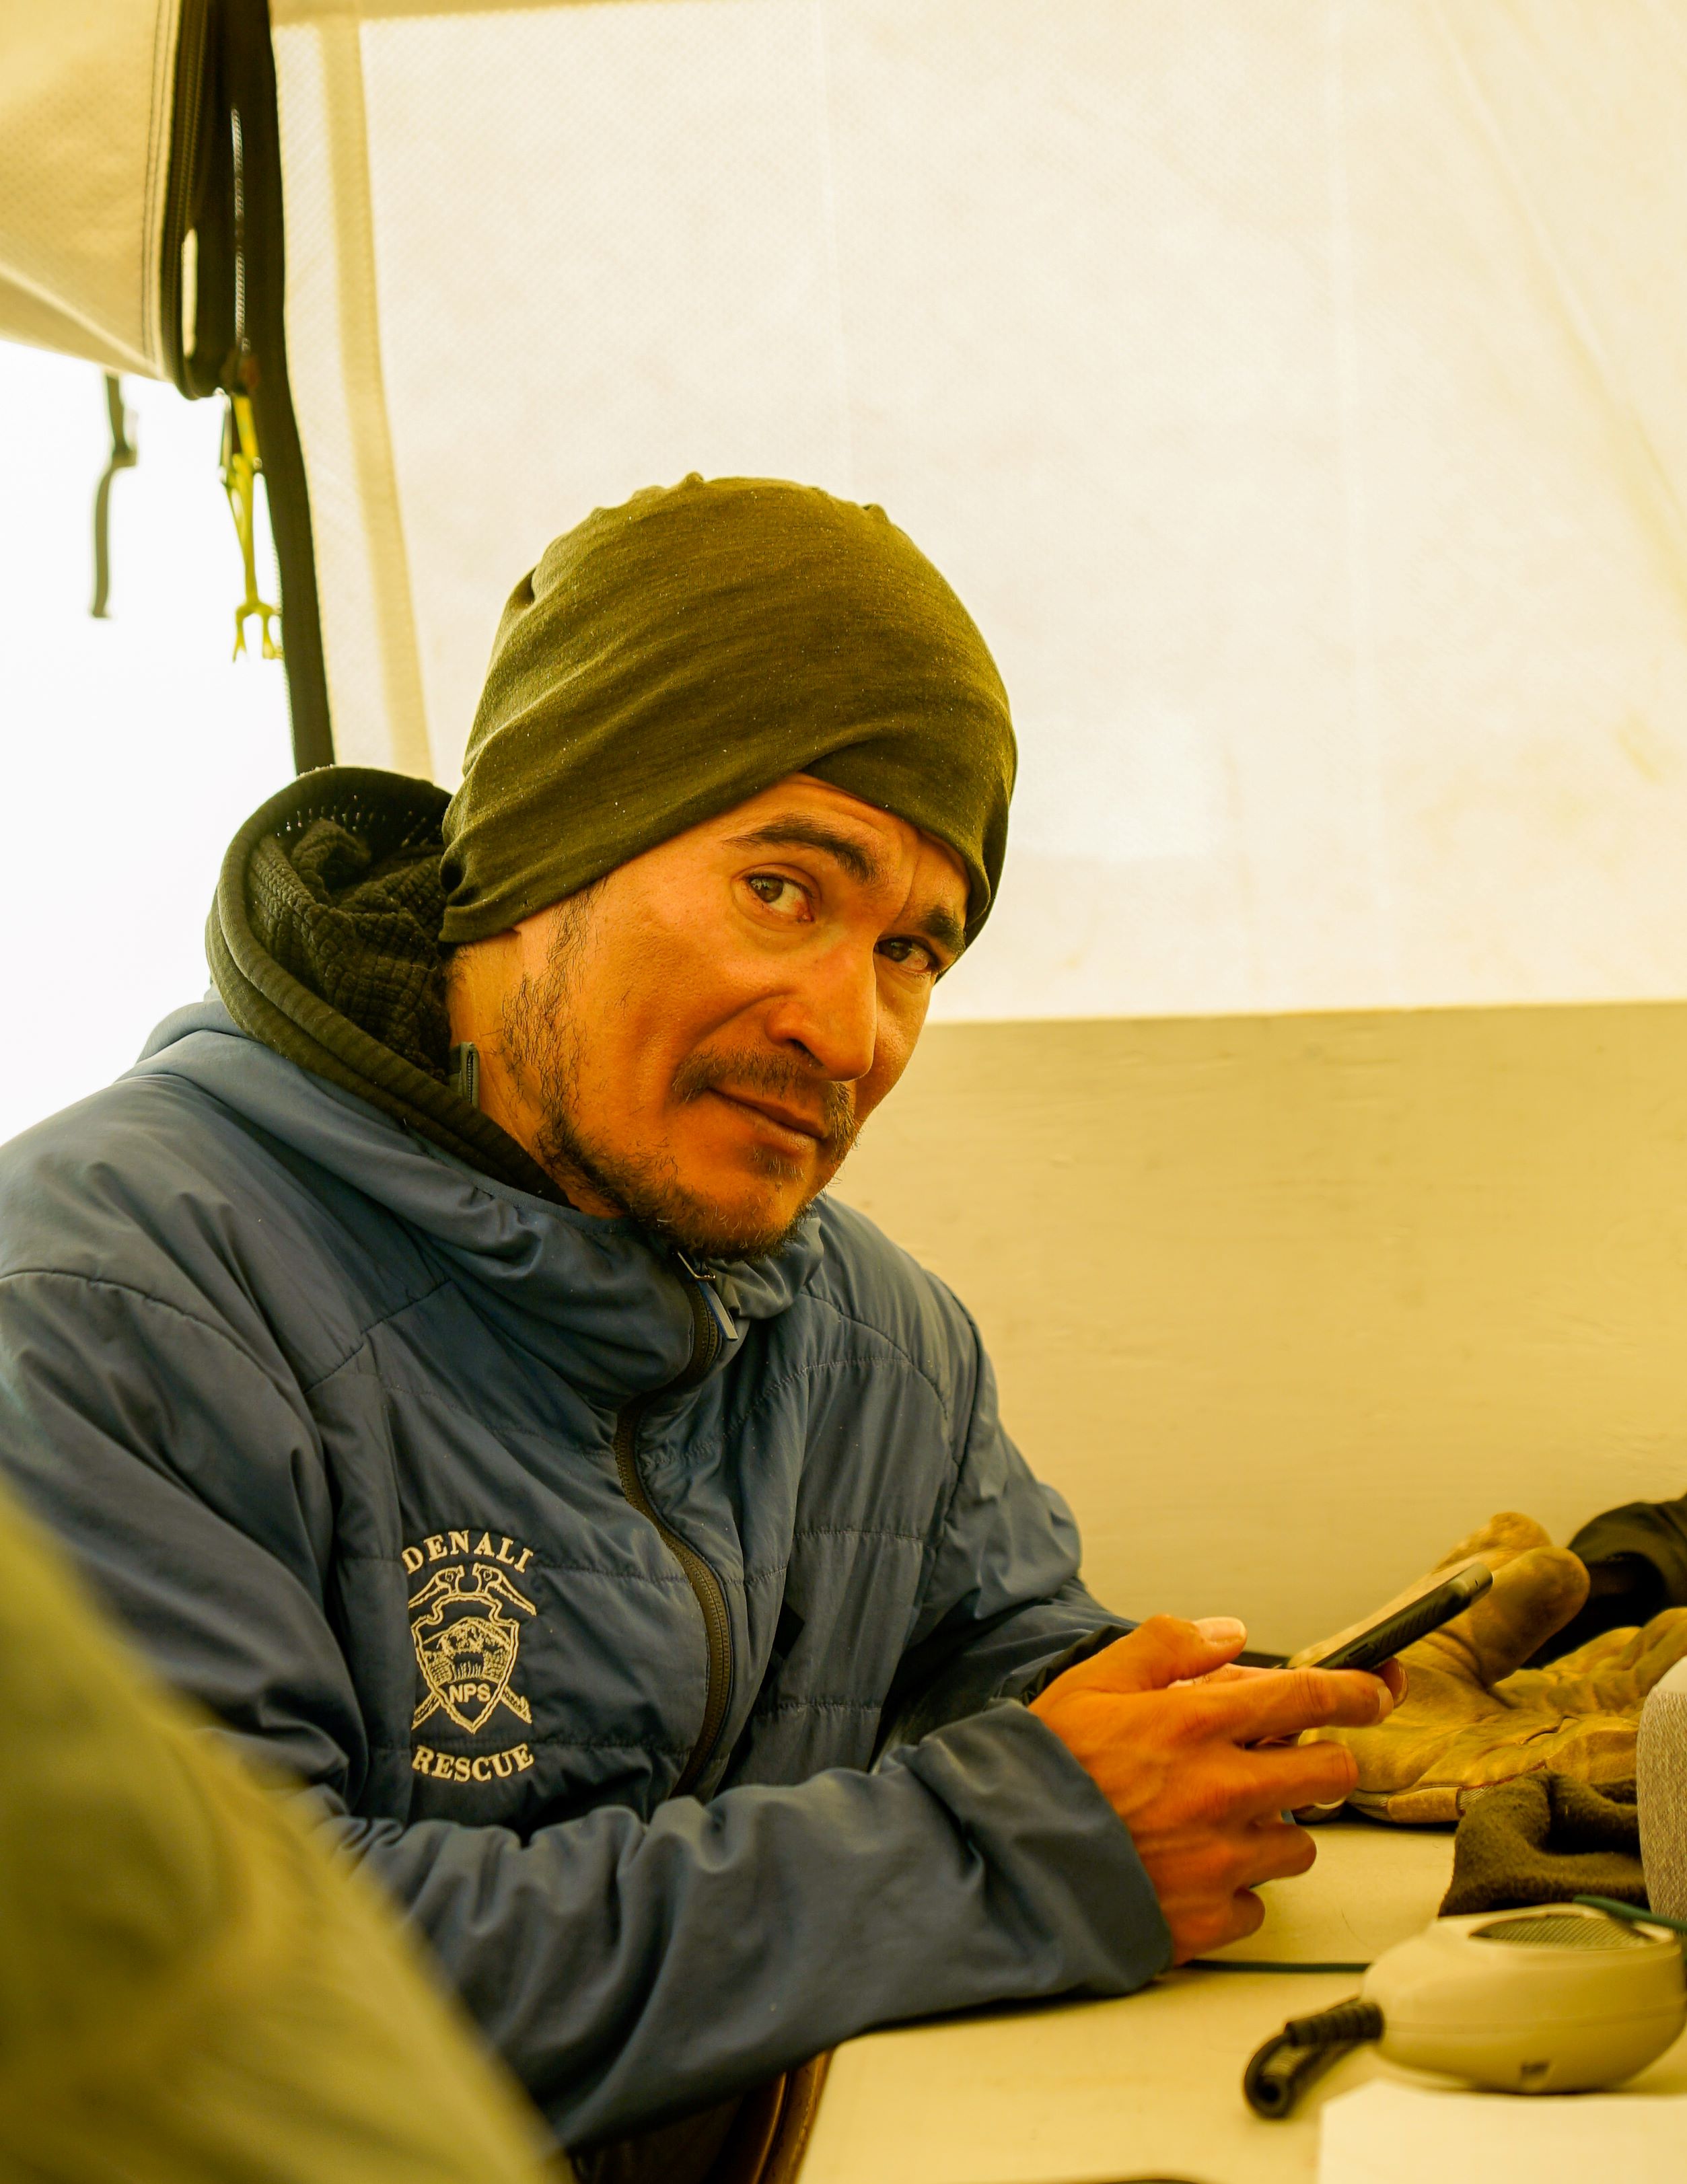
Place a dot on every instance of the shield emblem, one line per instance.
(467, 1643)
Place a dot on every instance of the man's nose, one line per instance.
(832, 1013)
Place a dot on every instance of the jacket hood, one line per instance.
(323, 942)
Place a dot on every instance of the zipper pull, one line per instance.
(707, 1283)
(463, 1072)
(243, 466)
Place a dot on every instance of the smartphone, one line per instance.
(1423, 1607)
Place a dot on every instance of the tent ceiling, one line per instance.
(1291, 389)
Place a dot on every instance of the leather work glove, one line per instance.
(1474, 1715)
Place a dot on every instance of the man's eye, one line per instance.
(778, 893)
(912, 955)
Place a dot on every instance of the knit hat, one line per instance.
(669, 659)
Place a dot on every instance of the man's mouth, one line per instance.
(791, 1120)
(795, 1112)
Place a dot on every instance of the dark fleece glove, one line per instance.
(1543, 1839)
(1636, 1558)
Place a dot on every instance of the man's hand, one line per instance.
(1198, 1766)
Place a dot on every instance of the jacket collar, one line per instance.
(600, 1301)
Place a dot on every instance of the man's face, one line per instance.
(697, 1040)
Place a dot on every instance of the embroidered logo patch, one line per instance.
(467, 1643)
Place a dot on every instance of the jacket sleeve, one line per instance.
(629, 1970)
(1003, 1609)
(632, 1970)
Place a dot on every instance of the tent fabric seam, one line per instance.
(357, 331)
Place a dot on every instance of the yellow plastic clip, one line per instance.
(243, 466)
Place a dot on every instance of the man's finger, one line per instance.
(1233, 1672)
(1284, 1703)
(1294, 1777)
(1244, 1915)
(1278, 1851)
(1158, 1653)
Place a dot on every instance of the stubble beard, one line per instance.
(543, 1039)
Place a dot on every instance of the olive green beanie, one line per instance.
(669, 659)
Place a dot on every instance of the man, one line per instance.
(461, 1386)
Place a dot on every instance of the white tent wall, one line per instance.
(1289, 385)
(1285, 1304)
(130, 748)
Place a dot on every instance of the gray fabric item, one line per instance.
(257, 1341)
(1660, 1792)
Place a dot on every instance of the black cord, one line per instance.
(1634, 1914)
(1260, 1964)
(1278, 2072)
(124, 455)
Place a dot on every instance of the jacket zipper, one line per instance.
(707, 1340)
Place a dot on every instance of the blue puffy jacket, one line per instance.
(656, 1644)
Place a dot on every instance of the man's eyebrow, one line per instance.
(859, 863)
(938, 924)
(943, 927)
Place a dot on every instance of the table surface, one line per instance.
(1150, 2086)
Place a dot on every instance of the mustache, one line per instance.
(776, 1077)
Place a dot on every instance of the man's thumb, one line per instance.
(1163, 1651)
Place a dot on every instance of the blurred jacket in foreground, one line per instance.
(190, 1987)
